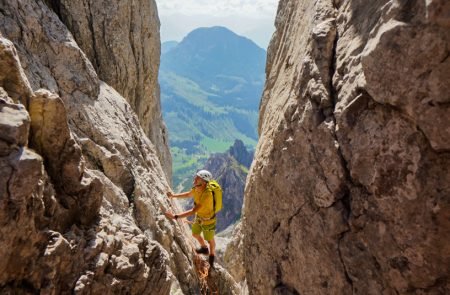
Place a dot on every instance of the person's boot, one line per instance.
(211, 261)
(202, 250)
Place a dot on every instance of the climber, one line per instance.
(205, 218)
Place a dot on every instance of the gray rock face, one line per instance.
(64, 227)
(81, 185)
(234, 256)
(348, 192)
(121, 39)
(13, 79)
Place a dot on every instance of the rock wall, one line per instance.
(81, 185)
(121, 40)
(233, 257)
(348, 192)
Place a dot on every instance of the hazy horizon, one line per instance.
(178, 41)
(253, 19)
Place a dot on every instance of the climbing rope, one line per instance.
(201, 266)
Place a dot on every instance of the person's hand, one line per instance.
(169, 195)
(169, 215)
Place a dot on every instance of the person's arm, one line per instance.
(185, 213)
(180, 195)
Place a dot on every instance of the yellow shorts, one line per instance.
(207, 230)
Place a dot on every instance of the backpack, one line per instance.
(216, 191)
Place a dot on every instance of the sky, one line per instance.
(253, 19)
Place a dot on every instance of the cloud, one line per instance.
(219, 8)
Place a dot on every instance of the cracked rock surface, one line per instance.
(349, 189)
(81, 185)
(121, 40)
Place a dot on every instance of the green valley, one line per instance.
(211, 84)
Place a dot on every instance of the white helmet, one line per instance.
(205, 175)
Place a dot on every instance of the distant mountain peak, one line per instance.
(208, 56)
(240, 153)
(216, 30)
(217, 34)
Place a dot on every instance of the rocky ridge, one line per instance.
(348, 192)
(230, 170)
(81, 186)
(241, 154)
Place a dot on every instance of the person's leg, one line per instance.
(212, 247)
(209, 232)
(196, 231)
(200, 240)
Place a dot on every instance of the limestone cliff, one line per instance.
(81, 185)
(121, 40)
(348, 192)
